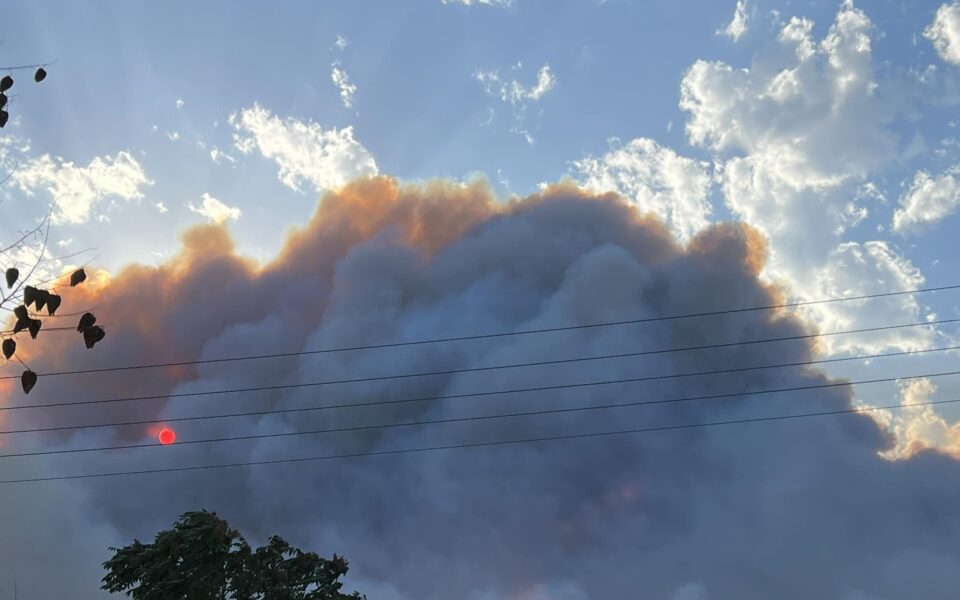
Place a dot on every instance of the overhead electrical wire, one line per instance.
(548, 411)
(438, 448)
(500, 392)
(509, 333)
(513, 391)
(461, 370)
(391, 345)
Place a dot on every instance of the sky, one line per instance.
(336, 173)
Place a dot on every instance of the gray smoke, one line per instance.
(786, 509)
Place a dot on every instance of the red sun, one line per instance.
(167, 436)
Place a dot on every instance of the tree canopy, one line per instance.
(202, 558)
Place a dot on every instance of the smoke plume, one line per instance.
(783, 509)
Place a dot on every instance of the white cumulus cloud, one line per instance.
(657, 180)
(944, 32)
(305, 152)
(796, 137)
(215, 210)
(926, 201)
(77, 189)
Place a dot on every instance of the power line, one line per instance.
(532, 440)
(510, 333)
(505, 392)
(633, 354)
(286, 386)
(20, 67)
(345, 349)
(550, 411)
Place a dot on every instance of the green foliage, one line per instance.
(201, 558)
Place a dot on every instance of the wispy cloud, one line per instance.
(305, 152)
(927, 201)
(342, 81)
(76, 190)
(215, 210)
(217, 155)
(514, 92)
(510, 90)
(738, 25)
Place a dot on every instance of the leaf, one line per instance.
(6, 83)
(53, 303)
(41, 299)
(40, 74)
(92, 335)
(9, 347)
(86, 321)
(20, 325)
(30, 295)
(13, 274)
(4, 117)
(3, 100)
(23, 319)
(34, 327)
(28, 380)
(78, 277)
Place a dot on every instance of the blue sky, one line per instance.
(418, 108)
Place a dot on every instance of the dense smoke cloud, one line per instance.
(794, 510)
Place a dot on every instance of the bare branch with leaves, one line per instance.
(28, 295)
(7, 81)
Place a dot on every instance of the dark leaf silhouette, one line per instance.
(4, 117)
(9, 347)
(6, 83)
(86, 321)
(40, 75)
(53, 303)
(13, 274)
(30, 295)
(40, 300)
(34, 327)
(3, 100)
(28, 380)
(78, 277)
(92, 335)
(23, 319)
